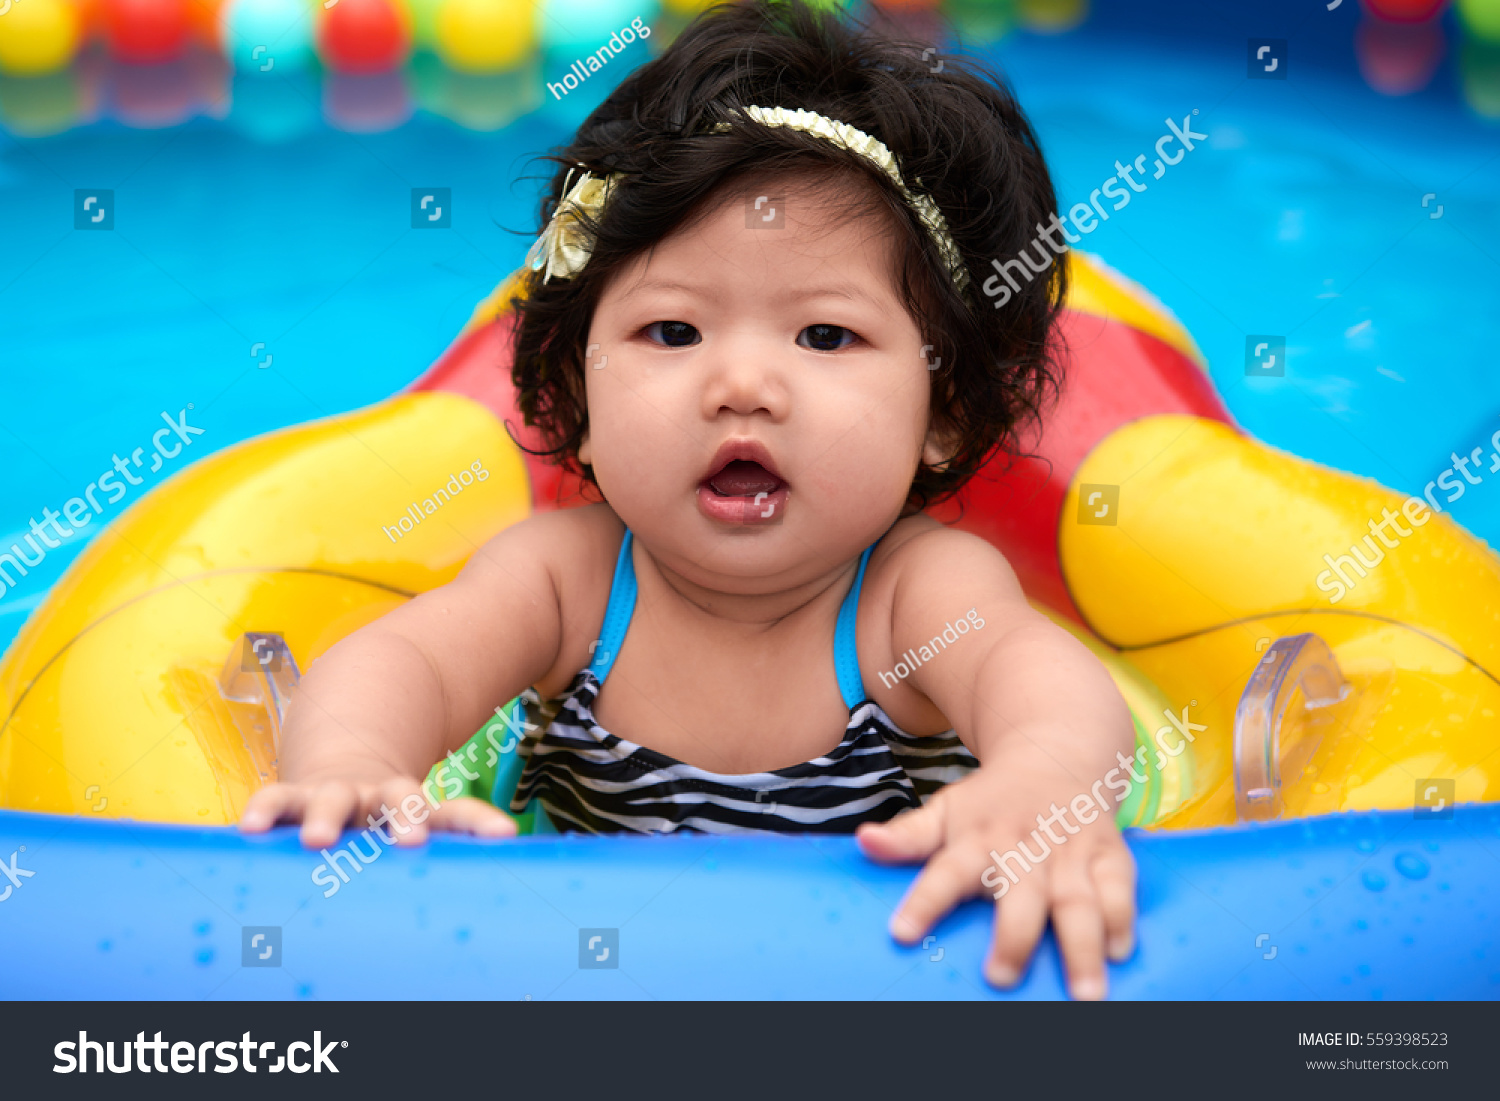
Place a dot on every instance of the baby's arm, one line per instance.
(1046, 721)
(380, 707)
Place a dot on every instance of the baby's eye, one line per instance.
(674, 334)
(825, 338)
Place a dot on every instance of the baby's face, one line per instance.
(757, 393)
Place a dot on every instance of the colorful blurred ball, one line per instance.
(145, 32)
(1405, 11)
(38, 36)
(486, 36)
(365, 36)
(1482, 17)
(268, 34)
(582, 26)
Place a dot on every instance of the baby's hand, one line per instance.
(398, 807)
(1086, 884)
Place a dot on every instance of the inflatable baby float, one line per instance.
(150, 685)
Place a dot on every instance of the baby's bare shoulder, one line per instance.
(565, 558)
(925, 572)
(922, 552)
(573, 548)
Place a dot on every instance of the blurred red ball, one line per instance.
(145, 31)
(364, 36)
(1405, 11)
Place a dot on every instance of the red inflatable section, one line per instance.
(1115, 374)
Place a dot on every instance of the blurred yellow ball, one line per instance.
(687, 7)
(37, 36)
(486, 36)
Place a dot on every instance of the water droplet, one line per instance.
(204, 956)
(461, 935)
(1320, 788)
(1412, 866)
(1363, 969)
(1373, 880)
(106, 945)
(1365, 845)
(203, 928)
(1431, 846)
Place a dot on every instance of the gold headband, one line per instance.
(565, 245)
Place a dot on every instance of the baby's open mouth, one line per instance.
(744, 478)
(743, 486)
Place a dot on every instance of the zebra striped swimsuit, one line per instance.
(589, 780)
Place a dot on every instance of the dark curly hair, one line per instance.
(958, 135)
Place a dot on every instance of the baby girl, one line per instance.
(753, 323)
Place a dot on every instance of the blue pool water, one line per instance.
(1301, 215)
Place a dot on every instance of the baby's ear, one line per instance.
(585, 451)
(938, 448)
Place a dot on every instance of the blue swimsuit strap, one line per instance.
(617, 613)
(621, 608)
(845, 642)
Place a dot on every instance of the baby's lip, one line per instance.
(741, 450)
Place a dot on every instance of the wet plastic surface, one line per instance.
(1363, 906)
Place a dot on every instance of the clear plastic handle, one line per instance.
(261, 670)
(1298, 662)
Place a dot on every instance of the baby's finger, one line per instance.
(328, 811)
(403, 819)
(1114, 882)
(1018, 926)
(1079, 925)
(473, 816)
(270, 805)
(946, 881)
(911, 836)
